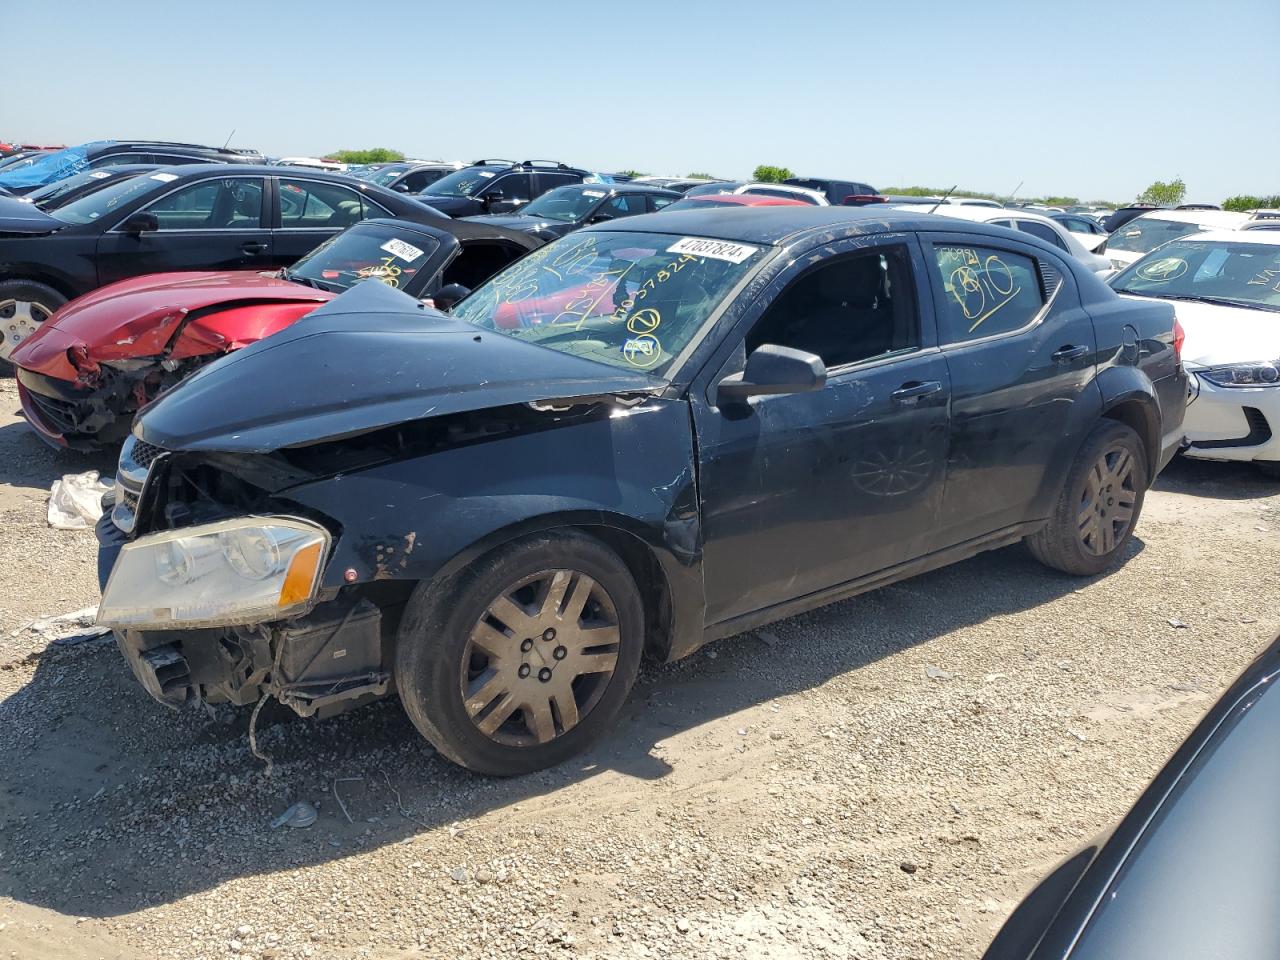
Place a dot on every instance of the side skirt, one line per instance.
(843, 591)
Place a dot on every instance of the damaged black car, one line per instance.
(639, 438)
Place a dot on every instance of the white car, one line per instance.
(1225, 288)
(315, 163)
(1144, 233)
(1027, 222)
(786, 191)
(972, 202)
(1088, 231)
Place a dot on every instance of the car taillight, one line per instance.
(1179, 335)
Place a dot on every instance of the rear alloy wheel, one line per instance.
(1099, 505)
(520, 661)
(24, 305)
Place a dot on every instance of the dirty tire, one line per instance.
(445, 631)
(1078, 539)
(1268, 468)
(24, 305)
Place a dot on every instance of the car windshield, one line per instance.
(384, 175)
(367, 251)
(1144, 234)
(46, 198)
(568, 204)
(631, 300)
(101, 203)
(1215, 271)
(460, 183)
(46, 169)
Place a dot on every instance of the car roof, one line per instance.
(462, 229)
(263, 169)
(1210, 218)
(631, 187)
(1271, 237)
(777, 225)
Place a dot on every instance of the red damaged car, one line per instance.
(85, 372)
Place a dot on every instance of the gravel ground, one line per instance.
(885, 777)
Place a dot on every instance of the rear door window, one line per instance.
(986, 291)
(1043, 231)
(225, 203)
(308, 204)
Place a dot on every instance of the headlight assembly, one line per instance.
(234, 572)
(1243, 374)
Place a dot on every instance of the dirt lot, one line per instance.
(881, 778)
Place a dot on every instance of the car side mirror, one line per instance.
(600, 218)
(140, 222)
(772, 369)
(448, 295)
(401, 187)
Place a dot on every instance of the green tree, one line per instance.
(633, 173)
(1243, 203)
(767, 174)
(702, 176)
(1060, 201)
(1165, 194)
(372, 155)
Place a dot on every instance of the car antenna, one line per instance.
(1009, 199)
(943, 199)
(229, 136)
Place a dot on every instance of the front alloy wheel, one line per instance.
(521, 659)
(540, 657)
(18, 320)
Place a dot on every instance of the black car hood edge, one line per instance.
(370, 358)
(26, 218)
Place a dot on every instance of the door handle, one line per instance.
(909, 392)
(1069, 353)
(253, 246)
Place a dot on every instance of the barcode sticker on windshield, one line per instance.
(164, 177)
(98, 175)
(405, 251)
(593, 193)
(715, 249)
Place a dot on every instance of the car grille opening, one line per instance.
(59, 414)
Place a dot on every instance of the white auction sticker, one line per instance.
(405, 251)
(98, 175)
(593, 193)
(164, 177)
(715, 249)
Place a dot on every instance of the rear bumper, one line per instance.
(1233, 423)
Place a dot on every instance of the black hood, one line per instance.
(27, 218)
(371, 358)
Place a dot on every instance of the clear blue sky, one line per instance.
(1094, 99)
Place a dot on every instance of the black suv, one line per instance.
(640, 437)
(836, 191)
(107, 153)
(498, 186)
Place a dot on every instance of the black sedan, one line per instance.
(640, 437)
(565, 209)
(1193, 869)
(190, 217)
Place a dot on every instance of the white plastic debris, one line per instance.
(299, 816)
(75, 501)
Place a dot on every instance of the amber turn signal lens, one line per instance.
(301, 578)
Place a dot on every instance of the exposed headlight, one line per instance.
(1244, 374)
(234, 572)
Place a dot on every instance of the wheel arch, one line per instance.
(21, 272)
(1139, 414)
(672, 606)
